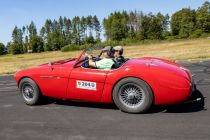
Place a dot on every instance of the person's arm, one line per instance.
(91, 63)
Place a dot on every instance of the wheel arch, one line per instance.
(18, 83)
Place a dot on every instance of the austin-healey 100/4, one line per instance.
(134, 87)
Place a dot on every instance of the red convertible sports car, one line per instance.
(134, 87)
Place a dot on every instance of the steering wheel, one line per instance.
(85, 64)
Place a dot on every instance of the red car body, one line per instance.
(170, 82)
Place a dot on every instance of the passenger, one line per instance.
(118, 55)
(106, 61)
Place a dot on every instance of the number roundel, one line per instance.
(86, 85)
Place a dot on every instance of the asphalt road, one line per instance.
(58, 120)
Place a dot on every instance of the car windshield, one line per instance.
(94, 51)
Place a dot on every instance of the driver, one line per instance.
(106, 61)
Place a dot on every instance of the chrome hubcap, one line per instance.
(27, 91)
(131, 95)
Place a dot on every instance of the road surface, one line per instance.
(68, 120)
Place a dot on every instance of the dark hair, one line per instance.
(120, 52)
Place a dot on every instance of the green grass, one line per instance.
(195, 49)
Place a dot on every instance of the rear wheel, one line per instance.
(29, 91)
(133, 95)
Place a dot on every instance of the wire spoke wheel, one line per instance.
(28, 91)
(131, 95)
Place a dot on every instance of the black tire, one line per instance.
(29, 91)
(133, 95)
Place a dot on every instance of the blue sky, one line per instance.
(22, 12)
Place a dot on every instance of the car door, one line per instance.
(54, 81)
(86, 84)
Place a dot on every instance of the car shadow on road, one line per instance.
(47, 100)
(194, 104)
(86, 104)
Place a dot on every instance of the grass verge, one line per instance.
(195, 49)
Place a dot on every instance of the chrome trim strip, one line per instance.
(46, 76)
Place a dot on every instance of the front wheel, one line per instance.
(29, 91)
(133, 95)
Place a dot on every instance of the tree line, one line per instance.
(134, 25)
(55, 34)
(119, 27)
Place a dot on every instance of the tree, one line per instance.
(55, 36)
(116, 26)
(144, 27)
(61, 24)
(37, 44)
(2, 49)
(48, 29)
(76, 31)
(83, 25)
(158, 25)
(17, 37)
(90, 24)
(42, 33)
(107, 23)
(15, 48)
(134, 23)
(32, 30)
(32, 34)
(67, 30)
(183, 22)
(97, 28)
(23, 29)
(8, 47)
(90, 40)
(165, 26)
(203, 17)
(26, 44)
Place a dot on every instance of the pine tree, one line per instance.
(97, 28)
(17, 44)
(2, 49)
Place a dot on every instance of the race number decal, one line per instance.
(86, 85)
